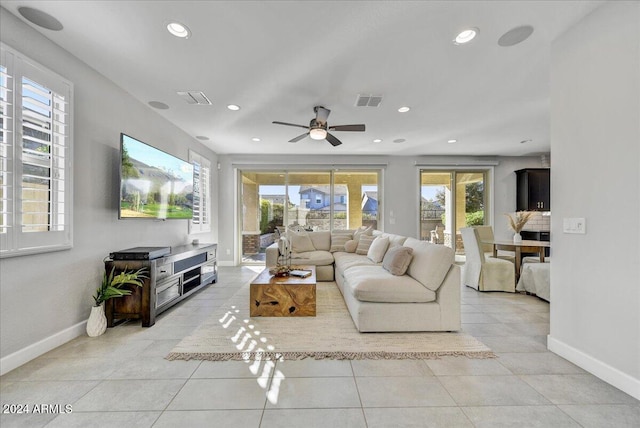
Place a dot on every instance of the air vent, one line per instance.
(195, 97)
(368, 100)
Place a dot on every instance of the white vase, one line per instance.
(97, 322)
(517, 238)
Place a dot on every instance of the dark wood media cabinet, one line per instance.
(172, 278)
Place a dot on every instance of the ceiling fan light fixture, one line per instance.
(179, 30)
(466, 36)
(318, 134)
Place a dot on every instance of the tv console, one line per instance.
(171, 278)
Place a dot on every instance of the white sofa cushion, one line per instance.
(394, 240)
(378, 249)
(315, 258)
(430, 262)
(300, 242)
(374, 284)
(345, 261)
(321, 240)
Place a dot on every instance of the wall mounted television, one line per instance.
(153, 183)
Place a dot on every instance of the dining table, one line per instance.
(524, 246)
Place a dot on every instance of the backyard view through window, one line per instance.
(312, 200)
(449, 201)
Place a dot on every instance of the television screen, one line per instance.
(153, 184)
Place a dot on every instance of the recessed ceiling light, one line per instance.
(256, 139)
(404, 109)
(233, 107)
(159, 105)
(377, 140)
(202, 138)
(466, 36)
(399, 140)
(525, 141)
(452, 141)
(40, 18)
(179, 30)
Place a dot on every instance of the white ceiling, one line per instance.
(278, 59)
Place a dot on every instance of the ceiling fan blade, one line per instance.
(333, 140)
(347, 128)
(298, 138)
(290, 124)
(322, 114)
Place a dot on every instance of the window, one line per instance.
(35, 157)
(270, 201)
(201, 221)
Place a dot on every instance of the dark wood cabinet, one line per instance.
(171, 279)
(533, 189)
(537, 235)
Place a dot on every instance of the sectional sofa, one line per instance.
(384, 291)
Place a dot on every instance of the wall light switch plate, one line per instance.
(574, 225)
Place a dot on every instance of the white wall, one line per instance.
(45, 298)
(400, 187)
(595, 143)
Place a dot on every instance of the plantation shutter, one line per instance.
(6, 154)
(201, 221)
(35, 157)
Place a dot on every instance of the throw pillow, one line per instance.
(350, 246)
(300, 242)
(364, 243)
(362, 230)
(377, 249)
(397, 260)
(338, 240)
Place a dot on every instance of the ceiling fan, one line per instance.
(318, 127)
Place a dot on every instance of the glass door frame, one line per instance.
(239, 170)
(453, 170)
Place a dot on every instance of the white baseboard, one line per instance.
(607, 373)
(24, 355)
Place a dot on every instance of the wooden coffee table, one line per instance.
(287, 296)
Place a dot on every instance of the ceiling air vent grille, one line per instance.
(195, 97)
(368, 100)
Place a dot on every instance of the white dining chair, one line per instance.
(485, 273)
(486, 234)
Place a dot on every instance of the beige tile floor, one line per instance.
(122, 380)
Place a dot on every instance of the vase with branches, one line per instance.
(517, 222)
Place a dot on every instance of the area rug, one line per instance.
(230, 334)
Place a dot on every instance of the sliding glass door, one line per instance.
(449, 201)
(313, 200)
(357, 199)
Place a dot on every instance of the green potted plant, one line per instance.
(111, 287)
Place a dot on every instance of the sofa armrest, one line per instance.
(449, 299)
(271, 255)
